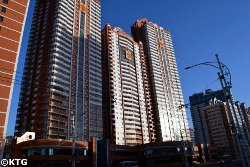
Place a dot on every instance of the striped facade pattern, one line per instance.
(12, 18)
(171, 119)
(126, 117)
(62, 61)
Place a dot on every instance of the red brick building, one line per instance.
(12, 17)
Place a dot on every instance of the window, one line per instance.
(3, 9)
(1, 18)
(5, 1)
(50, 151)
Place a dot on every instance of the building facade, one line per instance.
(197, 101)
(50, 152)
(166, 94)
(170, 153)
(219, 130)
(97, 152)
(124, 97)
(12, 17)
(192, 135)
(243, 117)
(61, 93)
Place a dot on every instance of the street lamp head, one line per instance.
(187, 68)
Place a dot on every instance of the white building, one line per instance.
(171, 119)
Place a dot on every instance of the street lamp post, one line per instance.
(226, 87)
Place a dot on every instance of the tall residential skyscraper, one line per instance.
(125, 94)
(62, 83)
(197, 101)
(12, 18)
(170, 118)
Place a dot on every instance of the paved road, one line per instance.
(232, 164)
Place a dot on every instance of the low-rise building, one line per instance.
(99, 152)
(50, 152)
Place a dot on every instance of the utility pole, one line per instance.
(226, 87)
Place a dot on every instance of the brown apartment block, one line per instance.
(126, 99)
(12, 17)
(219, 131)
(61, 93)
(142, 93)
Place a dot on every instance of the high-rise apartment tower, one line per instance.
(12, 17)
(166, 94)
(125, 95)
(61, 93)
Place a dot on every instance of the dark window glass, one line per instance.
(1, 18)
(5, 1)
(3, 9)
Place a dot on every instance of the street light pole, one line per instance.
(227, 90)
(233, 127)
(226, 87)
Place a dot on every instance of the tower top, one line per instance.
(140, 22)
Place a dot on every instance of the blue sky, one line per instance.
(199, 29)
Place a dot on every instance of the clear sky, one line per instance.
(199, 29)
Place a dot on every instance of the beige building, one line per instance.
(219, 130)
(170, 117)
